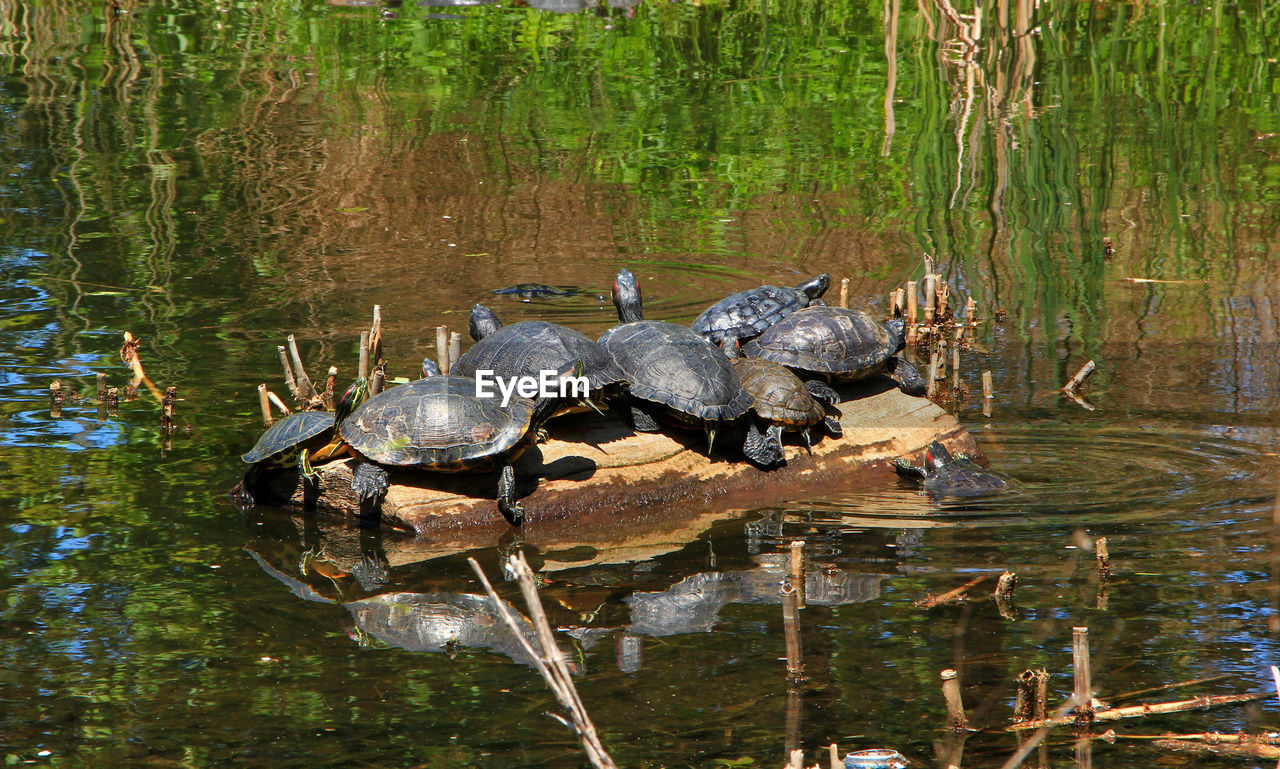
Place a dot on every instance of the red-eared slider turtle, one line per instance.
(947, 475)
(843, 345)
(675, 374)
(529, 348)
(439, 424)
(748, 313)
(297, 439)
(780, 401)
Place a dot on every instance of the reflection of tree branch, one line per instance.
(892, 12)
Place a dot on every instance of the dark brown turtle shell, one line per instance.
(672, 366)
(779, 396)
(845, 344)
(304, 429)
(439, 424)
(748, 313)
(530, 347)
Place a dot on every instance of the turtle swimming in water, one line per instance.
(840, 344)
(781, 401)
(747, 314)
(676, 375)
(440, 425)
(951, 475)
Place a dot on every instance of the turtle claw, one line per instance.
(762, 450)
(512, 510)
(369, 482)
(822, 391)
(542, 436)
(642, 422)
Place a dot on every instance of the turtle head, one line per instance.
(897, 328)
(936, 456)
(429, 368)
(356, 394)
(731, 347)
(816, 287)
(483, 322)
(626, 297)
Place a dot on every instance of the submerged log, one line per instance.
(599, 464)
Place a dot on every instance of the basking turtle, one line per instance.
(948, 475)
(780, 401)
(438, 424)
(529, 348)
(675, 374)
(748, 313)
(842, 345)
(298, 438)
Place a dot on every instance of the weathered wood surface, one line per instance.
(597, 465)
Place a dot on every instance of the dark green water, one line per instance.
(214, 176)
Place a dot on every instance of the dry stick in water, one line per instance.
(1104, 558)
(1004, 586)
(1136, 711)
(549, 659)
(944, 292)
(264, 403)
(102, 387)
(275, 399)
(330, 386)
(1080, 668)
(455, 347)
(844, 293)
(791, 632)
(167, 408)
(930, 298)
(1084, 371)
(1024, 700)
(375, 335)
(362, 371)
(289, 380)
(951, 595)
(913, 303)
(955, 359)
(951, 693)
(797, 570)
(305, 388)
(442, 348)
(129, 354)
(834, 751)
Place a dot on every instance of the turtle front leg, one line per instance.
(822, 391)
(761, 450)
(369, 482)
(512, 510)
(909, 379)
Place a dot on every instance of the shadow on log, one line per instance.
(607, 471)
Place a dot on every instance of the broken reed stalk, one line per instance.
(1135, 711)
(913, 303)
(970, 312)
(264, 403)
(330, 387)
(955, 359)
(377, 379)
(930, 298)
(944, 292)
(791, 632)
(442, 349)
(1104, 558)
(375, 334)
(898, 303)
(1080, 669)
(1244, 749)
(455, 347)
(1075, 381)
(844, 293)
(363, 370)
(275, 399)
(951, 694)
(102, 387)
(931, 601)
(1024, 702)
(305, 388)
(1004, 586)
(796, 760)
(55, 399)
(797, 571)
(834, 754)
(1042, 694)
(548, 659)
(168, 407)
(289, 379)
(129, 355)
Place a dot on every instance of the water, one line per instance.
(213, 179)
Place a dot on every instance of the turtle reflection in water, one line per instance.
(948, 475)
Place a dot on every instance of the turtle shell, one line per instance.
(673, 366)
(438, 423)
(847, 344)
(779, 395)
(530, 347)
(748, 313)
(290, 433)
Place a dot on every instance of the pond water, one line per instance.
(215, 176)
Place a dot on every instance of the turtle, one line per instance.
(838, 344)
(747, 314)
(948, 475)
(440, 424)
(298, 438)
(675, 374)
(528, 348)
(781, 401)
(529, 291)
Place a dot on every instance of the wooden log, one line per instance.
(598, 464)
